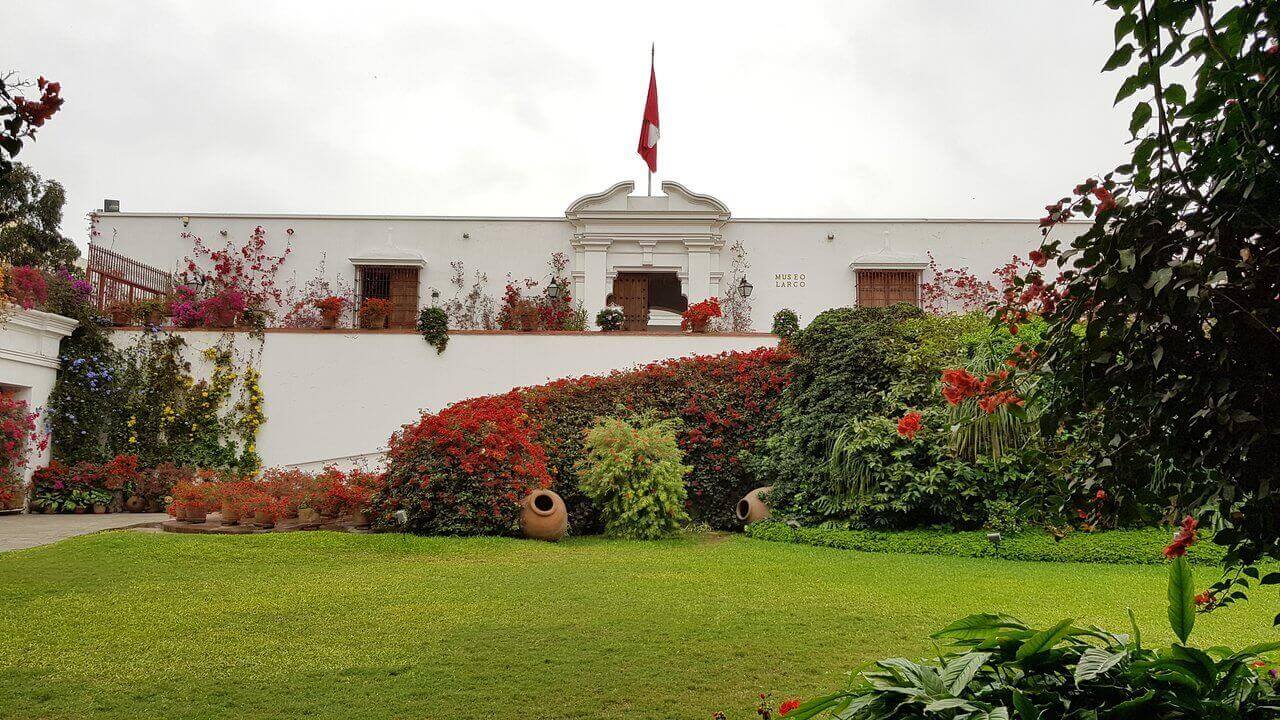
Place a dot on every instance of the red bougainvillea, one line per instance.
(465, 469)
(452, 470)
(959, 385)
(1185, 538)
(18, 436)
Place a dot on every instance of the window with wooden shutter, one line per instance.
(396, 285)
(882, 288)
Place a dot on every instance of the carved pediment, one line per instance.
(617, 206)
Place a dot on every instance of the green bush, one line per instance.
(786, 323)
(433, 323)
(635, 476)
(1122, 547)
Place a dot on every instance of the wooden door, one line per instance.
(403, 293)
(632, 293)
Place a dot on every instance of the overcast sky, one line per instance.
(893, 108)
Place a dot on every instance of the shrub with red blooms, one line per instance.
(18, 435)
(23, 116)
(727, 405)
(501, 446)
(700, 314)
(955, 290)
(465, 469)
(26, 286)
(373, 313)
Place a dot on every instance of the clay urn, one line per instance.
(135, 504)
(751, 508)
(543, 516)
(264, 519)
(230, 513)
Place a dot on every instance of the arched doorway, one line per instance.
(640, 293)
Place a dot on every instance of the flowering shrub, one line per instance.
(537, 310)
(634, 475)
(373, 313)
(610, 319)
(60, 487)
(955, 290)
(699, 315)
(186, 308)
(331, 308)
(785, 323)
(24, 116)
(248, 269)
(465, 469)
(26, 286)
(18, 435)
(474, 310)
(223, 309)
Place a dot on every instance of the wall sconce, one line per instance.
(185, 221)
(554, 290)
(745, 288)
(831, 236)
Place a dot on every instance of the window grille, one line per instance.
(397, 285)
(882, 288)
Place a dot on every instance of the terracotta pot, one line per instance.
(230, 514)
(48, 510)
(196, 515)
(154, 505)
(80, 510)
(543, 516)
(699, 327)
(264, 519)
(221, 318)
(751, 508)
(121, 315)
(329, 320)
(135, 503)
(308, 515)
(359, 518)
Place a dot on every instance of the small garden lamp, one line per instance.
(745, 288)
(994, 538)
(554, 290)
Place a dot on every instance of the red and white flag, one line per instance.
(648, 147)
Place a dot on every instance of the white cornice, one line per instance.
(45, 322)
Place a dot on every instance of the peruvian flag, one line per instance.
(648, 147)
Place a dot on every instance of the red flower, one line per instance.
(1038, 258)
(1185, 538)
(1105, 199)
(1204, 599)
(1102, 495)
(788, 705)
(909, 425)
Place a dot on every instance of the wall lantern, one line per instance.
(745, 288)
(554, 290)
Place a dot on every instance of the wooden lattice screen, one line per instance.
(882, 288)
(116, 278)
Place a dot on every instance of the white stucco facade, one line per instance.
(30, 342)
(807, 264)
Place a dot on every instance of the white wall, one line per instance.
(520, 247)
(29, 348)
(338, 396)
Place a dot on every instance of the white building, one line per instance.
(654, 255)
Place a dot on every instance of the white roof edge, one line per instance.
(560, 218)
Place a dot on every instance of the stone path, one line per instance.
(26, 531)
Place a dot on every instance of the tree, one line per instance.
(20, 116)
(30, 216)
(1164, 318)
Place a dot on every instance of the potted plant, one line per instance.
(374, 313)
(120, 312)
(149, 312)
(699, 315)
(222, 310)
(264, 508)
(331, 309)
(610, 318)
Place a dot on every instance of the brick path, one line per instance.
(26, 531)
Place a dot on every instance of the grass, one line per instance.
(126, 624)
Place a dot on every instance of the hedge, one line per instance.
(1124, 547)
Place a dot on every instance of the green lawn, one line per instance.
(126, 625)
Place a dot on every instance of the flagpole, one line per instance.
(649, 191)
